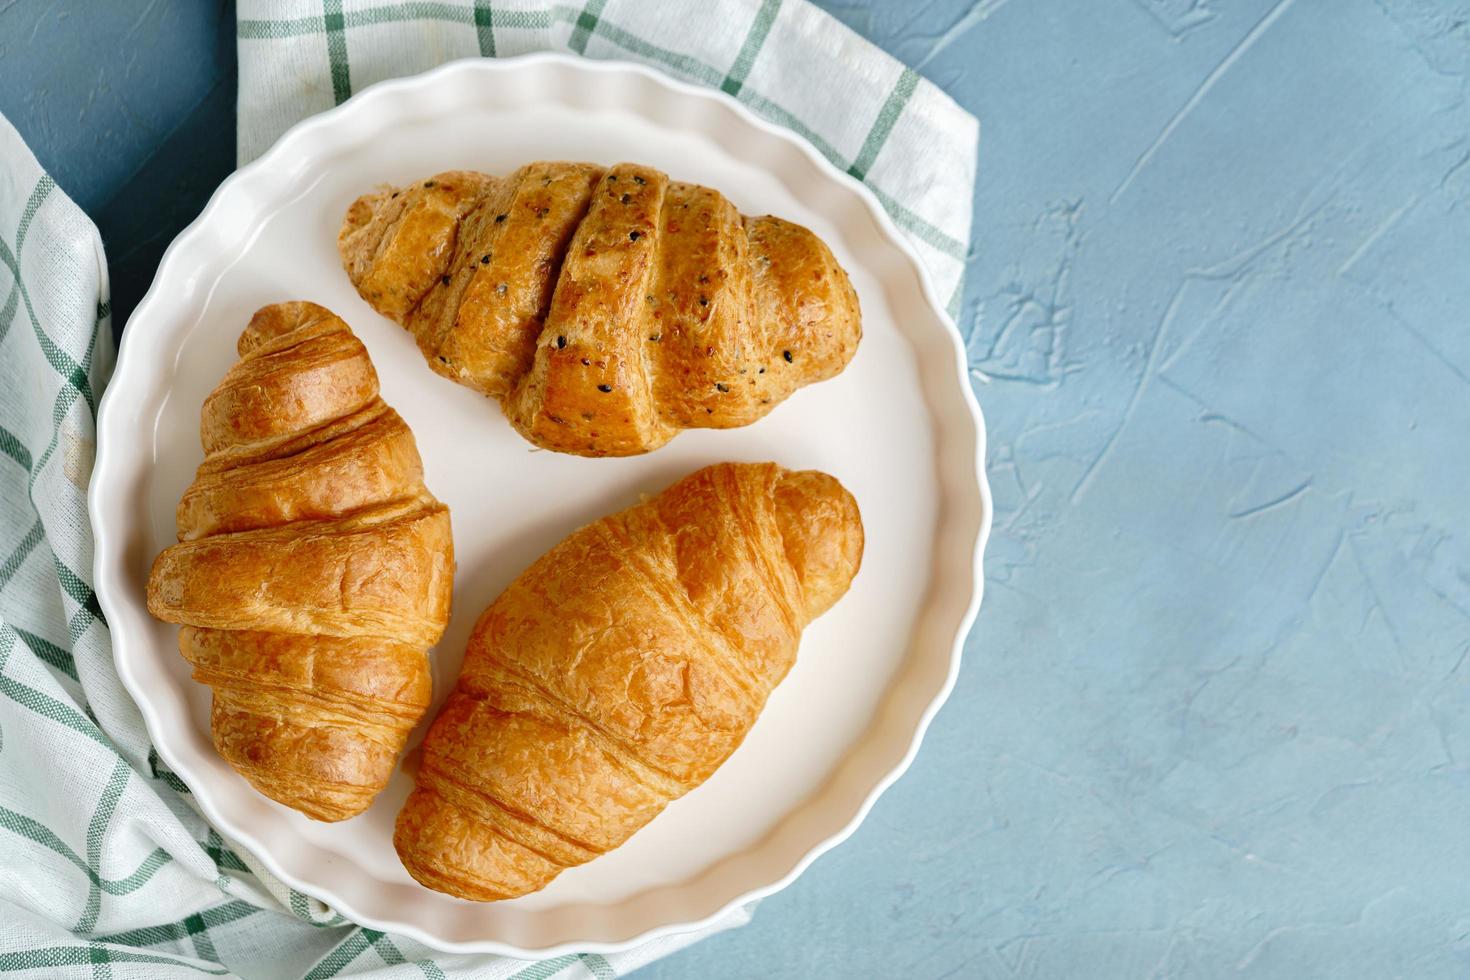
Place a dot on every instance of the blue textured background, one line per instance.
(1214, 718)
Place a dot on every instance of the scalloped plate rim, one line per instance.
(107, 555)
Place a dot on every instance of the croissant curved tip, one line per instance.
(279, 319)
(823, 533)
(446, 848)
(325, 805)
(360, 212)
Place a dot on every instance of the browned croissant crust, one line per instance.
(313, 567)
(606, 308)
(619, 671)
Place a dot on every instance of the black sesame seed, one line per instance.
(428, 183)
(396, 193)
(444, 280)
(761, 371)
(710, 411)
(561, 342)
(626, 198)
(639, 180)
(721, 387)
(484, 260)
(633, 236)
(656, 337)
(704, 301)
(499, 218)
(604, 388)
(786, 354)
(704, 278)
(586, 363)
(612, 176)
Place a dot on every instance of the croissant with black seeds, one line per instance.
(605, 308)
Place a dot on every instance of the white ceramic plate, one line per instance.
(899, 427)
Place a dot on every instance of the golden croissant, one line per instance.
(313, 567)
(619, 671)
(605, 308)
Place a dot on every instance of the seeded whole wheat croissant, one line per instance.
(619, 671)
(606, 308)
(313, 567)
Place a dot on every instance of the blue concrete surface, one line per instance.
(130, 106)
(1212, 718)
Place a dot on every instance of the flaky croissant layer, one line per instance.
(619, 671)
(313, 567)
(606, 308)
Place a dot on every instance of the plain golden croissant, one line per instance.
(619, 671)
(606, 308)
(313, 567)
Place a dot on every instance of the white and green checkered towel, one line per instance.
(106, 870)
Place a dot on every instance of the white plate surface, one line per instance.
(899, 427)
